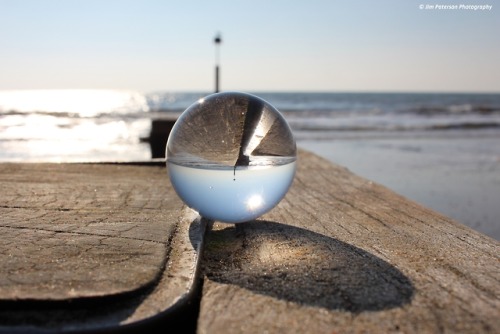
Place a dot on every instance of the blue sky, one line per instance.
(268, 45)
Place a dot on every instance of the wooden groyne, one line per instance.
(110, 247)
(158, 135)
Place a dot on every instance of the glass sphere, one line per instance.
(231, 156)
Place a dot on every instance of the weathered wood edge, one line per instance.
(171, 300)
(162, 308)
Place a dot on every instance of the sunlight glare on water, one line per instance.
(73, 125)
(83, 102)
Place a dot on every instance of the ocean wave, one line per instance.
(455, 109)
(73, 103)
(424, 110)
(77, 115)
(100, 103)
(465, 126)
(43, 113)
(396, 127)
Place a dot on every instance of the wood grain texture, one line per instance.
(79, 230)
(94, 247)
(341, 254)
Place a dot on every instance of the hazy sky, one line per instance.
(312, 45)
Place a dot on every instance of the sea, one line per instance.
(110, 125)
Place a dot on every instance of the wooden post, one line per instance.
(217, 41)
(216, 78)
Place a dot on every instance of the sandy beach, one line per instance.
(456, 175)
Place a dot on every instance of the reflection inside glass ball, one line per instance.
(231, 156)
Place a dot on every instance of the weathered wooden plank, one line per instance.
(341, 254)
(93, 246)
(82, 230)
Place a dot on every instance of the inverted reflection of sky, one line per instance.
(218, 195)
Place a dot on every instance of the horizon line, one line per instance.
(267, 91)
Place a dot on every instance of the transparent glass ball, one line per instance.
(231, 156)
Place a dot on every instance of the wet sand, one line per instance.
(458, 176)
